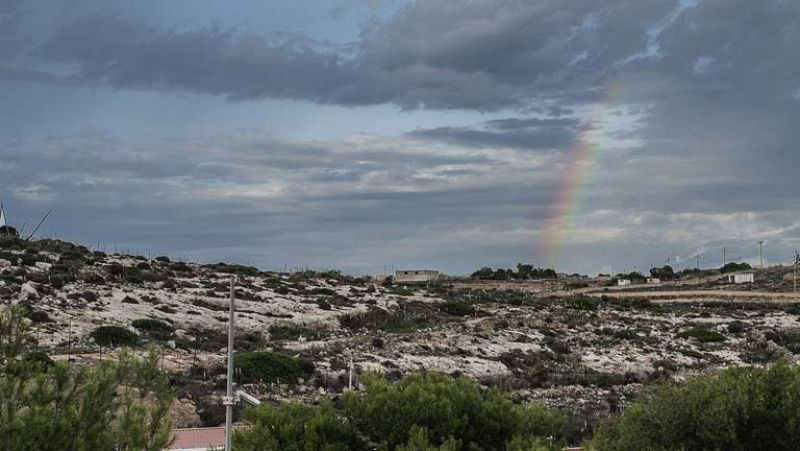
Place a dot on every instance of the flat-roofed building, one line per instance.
(741, 278)
(416, 275)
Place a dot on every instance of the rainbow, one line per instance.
(567, 201)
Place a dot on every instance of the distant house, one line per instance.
(653, 281)
(380, 278)
(416, 275)
(624, 282)
(741, 278)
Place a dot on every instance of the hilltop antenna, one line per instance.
(40, 224)
(761, 253)
(724, 256)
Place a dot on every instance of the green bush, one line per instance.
(750, 409)
(269, 367)
(450, 409)
(114, 336)
(46, 405)
(581, 303)
(457, 308)
(400, 320)
(703, 335)
(158, 330)
(293, 426)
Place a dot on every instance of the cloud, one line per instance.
(519, 133)
(688, 111)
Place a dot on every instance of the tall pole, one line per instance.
(229, 392)
(724, 256)
(697, 261)
(761, 253)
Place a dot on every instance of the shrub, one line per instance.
(581, 303)
(166, 309)
(291, 331)
(454, 409)
(114, 336)
(733, 267)
(703, 335)
(389, 321)
(158, 330)
(38, 316)
(457, 308)
(293, 426)
(737, 409)
(209, 305)
(736, 327)
(269, 367)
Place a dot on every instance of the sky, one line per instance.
(447, 134)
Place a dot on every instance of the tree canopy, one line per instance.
(430, 412)
(738, 409)
(524, 272)
(114, 405)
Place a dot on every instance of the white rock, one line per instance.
(44, 265)
(4, 263)
(28, 292)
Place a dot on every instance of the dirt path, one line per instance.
(715, 295)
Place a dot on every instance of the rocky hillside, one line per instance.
(299, 332)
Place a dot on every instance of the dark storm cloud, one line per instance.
(130, 54)
(449, 54)
(481, 55)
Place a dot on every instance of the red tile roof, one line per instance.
(199, 438)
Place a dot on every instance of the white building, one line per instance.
(653, 281)
(624, 282)
(741, 278)
(416, 275)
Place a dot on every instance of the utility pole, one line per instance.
(761, 253)
(794, 269)
(229, 399)
(697, 261)
(724, 256)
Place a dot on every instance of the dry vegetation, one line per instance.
(587, 352)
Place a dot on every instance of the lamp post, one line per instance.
(229, 399)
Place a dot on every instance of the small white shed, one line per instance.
(741, 278)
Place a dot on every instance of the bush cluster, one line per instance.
(270, 367)
(419, 412)
(153, 328)
(738, 409)
(114, 336)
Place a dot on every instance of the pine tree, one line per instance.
(114, 405)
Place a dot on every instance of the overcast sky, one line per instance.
(448, 134)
